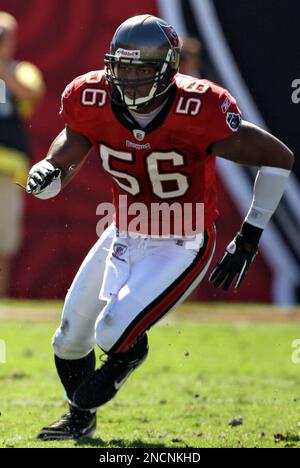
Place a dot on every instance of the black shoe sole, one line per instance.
(45, 436)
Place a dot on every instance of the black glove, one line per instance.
(40, 176)
(239, 255)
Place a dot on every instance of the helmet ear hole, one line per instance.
(142, 40)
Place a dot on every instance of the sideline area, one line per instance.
(37, 310)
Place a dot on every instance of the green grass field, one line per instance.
(200, 374)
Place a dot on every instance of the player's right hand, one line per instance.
(40, 176)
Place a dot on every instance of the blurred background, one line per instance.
(251, 48)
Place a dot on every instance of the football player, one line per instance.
(157, 133)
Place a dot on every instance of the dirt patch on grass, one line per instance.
(235, 312)
(191, 311)
(27, 314)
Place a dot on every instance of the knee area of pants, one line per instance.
(105, 333)
(69, 349)
(104, 339)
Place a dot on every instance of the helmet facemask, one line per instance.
(158, 83)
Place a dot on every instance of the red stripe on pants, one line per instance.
(172, 297)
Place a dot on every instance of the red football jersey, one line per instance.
(166, 163)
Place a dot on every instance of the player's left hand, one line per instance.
(238, 257)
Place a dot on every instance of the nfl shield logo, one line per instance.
(139, 135)
(119, 250)
(233, 121)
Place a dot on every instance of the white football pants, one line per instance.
(162, 274)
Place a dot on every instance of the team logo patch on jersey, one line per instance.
(119, 250)
(139, 135)
(130, 144)
(225, 106)
(233, 121)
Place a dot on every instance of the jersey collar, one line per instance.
(128, 121)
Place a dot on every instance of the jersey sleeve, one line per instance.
(70, 101)
(74, 114)
(222, 117)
